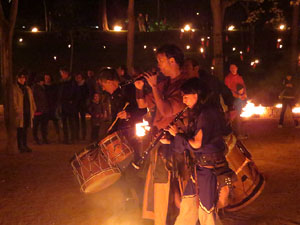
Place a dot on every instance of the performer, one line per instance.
(165, 98)
(114, 99)
(203, 141)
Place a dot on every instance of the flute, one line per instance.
(137, 164)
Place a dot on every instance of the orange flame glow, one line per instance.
(250, 109)
(142, 128)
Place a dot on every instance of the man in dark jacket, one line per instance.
(81, 95)
(288, 97)
(66, 99)
(40, 115)
(51, 90)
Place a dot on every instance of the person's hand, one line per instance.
(173, 130)
(139, 84)
(123, 115)
(165, 141)
(151, 79)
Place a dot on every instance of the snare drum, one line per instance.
(250, 182)
(116, 148)
(94, 173)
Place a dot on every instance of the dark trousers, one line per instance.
(40, 121)
(95, 133)
(285, 104)
(80, 124)
(22, 133)
(52, 116)
(68, 121)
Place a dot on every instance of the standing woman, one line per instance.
(202, 139)
(24, 106)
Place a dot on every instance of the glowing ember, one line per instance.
(141, 128)
(250, 109)
(187, 27)
(278, 106)
(117, 28)
(296, 110)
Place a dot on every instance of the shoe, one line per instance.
(27, 149)
(37, 141)
(22, 150)
(280, 126)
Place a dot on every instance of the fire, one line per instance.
(250, 109)
(141, 128)
(278, 106)
(296, 110)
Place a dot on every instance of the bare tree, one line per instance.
(294, 37)
(104, 16)
(46, 16)
(218, 8)
(130, 36)
(7, 25)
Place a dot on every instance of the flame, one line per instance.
(141, 128)
(250, 109)
(278, 106)
(296, 110)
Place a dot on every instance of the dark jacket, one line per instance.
(40, 99)
(81, 96)
(66, 96)
(51, 91)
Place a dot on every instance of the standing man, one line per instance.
(51, 90)
(24, 107)
(40, 115)
(238, 88)
(165, 98)
(81, 95)
(66, 99)
(288, 97)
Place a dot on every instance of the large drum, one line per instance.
(93, 171)
(250, 182)
(116, 148)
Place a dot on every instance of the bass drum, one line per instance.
(250, 182)
(93, 171)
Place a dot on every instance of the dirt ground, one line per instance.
(39, 188)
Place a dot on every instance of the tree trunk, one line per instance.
(294, 38)
(104, 16)
(72, 51)
(130, 37)
(46, 16)
(7, 82)
(6, 33)
(216, 9)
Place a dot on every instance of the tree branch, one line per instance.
(13, 14)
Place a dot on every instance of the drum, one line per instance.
(116, 148)
(249, 183)
(94, 173)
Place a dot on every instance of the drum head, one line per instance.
(101, 181)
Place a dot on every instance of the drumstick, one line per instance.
(112, 125)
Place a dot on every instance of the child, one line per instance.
(96, 111)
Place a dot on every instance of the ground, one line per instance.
(39, 188)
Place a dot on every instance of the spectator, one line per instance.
(24, 106)
(238, 89)
(97, 114)
(40, 115)
(91, 84)
(51, 90)
(81, 93)
(288, 98)
(66, 99)
(141, 22)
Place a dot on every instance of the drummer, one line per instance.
(203, 141)
(114, 100)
